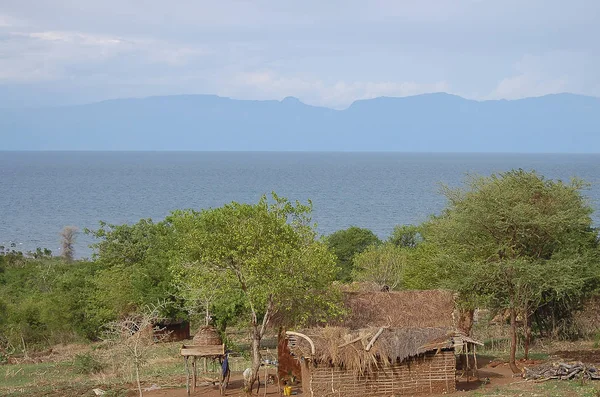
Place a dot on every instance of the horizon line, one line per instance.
(294, 151)
(291, 97)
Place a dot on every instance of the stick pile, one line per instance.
(562, 371)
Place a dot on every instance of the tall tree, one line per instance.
(270, 252)
(516, 240)
(346, 243)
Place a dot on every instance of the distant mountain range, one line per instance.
(423, 123)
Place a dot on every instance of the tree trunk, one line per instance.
(136, 363)
(137, 378)
(527, 326)
(255, 350)
(465, 320)
(255, 356)
(513, 341)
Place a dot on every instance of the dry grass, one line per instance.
(340, 346)
(399, 309)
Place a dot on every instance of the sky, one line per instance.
(325, 52)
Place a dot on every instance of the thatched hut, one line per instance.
(389, 343)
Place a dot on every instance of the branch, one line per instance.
(267, 316)
(370, 345)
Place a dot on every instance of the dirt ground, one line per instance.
(491, 375)
(587, 356)
(208, 390)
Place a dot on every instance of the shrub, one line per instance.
(87, 364)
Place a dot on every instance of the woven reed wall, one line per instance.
(426, 374)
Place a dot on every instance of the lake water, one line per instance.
(41, 192)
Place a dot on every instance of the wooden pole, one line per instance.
(475, 359)
(194, 374)
(187, 376)
(370, 345)
(467, 357)
(266, 383)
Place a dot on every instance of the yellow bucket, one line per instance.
(287, 391)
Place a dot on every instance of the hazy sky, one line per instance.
(324, 52)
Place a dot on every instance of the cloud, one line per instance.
(7, 21)
(326, 53)
(338, 94)
(551, 73)
(54, 55)
(526, 85)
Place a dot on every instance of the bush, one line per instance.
(87, 364)
(597, 341)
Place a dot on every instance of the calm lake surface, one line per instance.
(41, 192)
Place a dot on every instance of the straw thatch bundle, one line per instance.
(399, 309)
(207, 336)
(367, 349)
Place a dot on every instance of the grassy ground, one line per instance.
(60, 374)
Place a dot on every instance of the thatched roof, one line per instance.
(370, 348)
(381, 328)
(207, 335)
(399, 309)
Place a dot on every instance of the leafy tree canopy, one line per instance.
(382, 264)
(408, 236)
(346, 243)
(134, 268)
(270, 252)
(516, 241)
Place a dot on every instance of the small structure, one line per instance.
(207, 335)
(389, 343)
(172, 330)
(206, 344)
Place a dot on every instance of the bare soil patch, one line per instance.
(235, 388)
(586, 356)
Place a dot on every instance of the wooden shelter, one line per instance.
(389, 343)
(206, 343)
(172, 330)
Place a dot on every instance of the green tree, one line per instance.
(408, 236)
(207, 294)
(516, 241)
(346, 243)
(382, 264)
(134, 262)
(269, 251)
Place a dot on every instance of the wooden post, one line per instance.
(187, 376)
(266, 383)
(194, 374)
(475, 359)
(466, 346)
